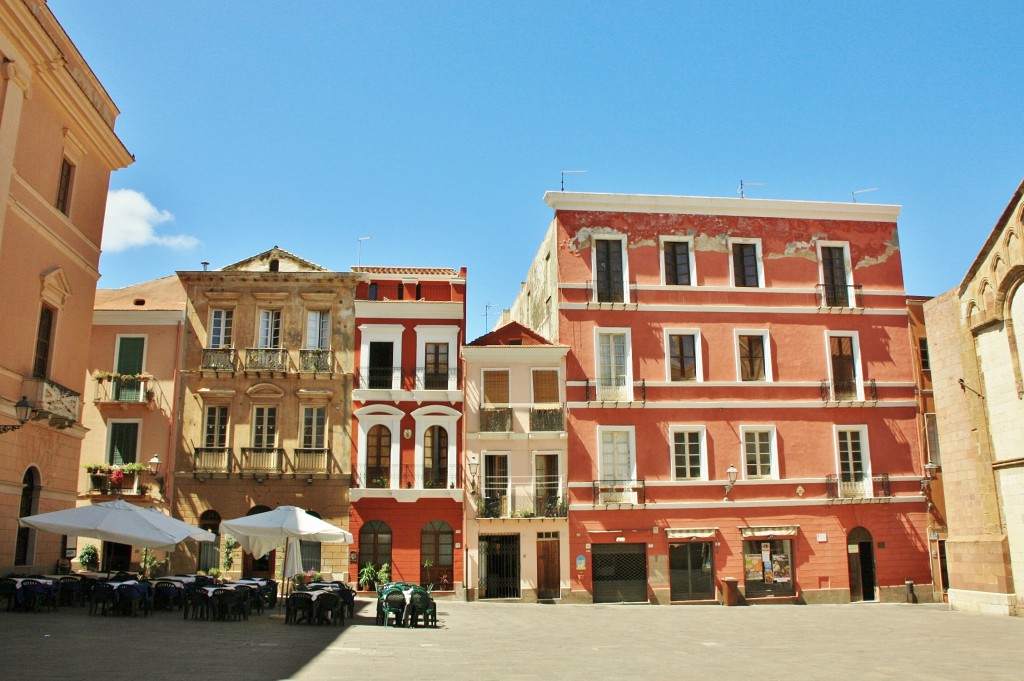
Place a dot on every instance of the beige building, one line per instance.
(974, 342)
(265, 403)
(516, 461)
(135, 354)
(57, 150)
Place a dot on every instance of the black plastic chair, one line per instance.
(70, 591)
(123, 577)
(299, 607)
(167, 596)
(329, 609)
(224, 604)
(102, 596)
(8, 589)
(270, 591)
(196, 603)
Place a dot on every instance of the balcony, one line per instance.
(315, 360)
(379, 378)
(218, 359)
(877, 486)
(610, 389)
(273, 360)
(846, 390)
(311, 461)
(631, 492)
(123, 389)
(408, 476)
(525, 497)
(261, 460)
(433, 378)
(496, 420)
(53, 401)
(211, 460)
(841, 296)
(547, 419)
(610, 292)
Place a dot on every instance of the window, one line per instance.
(375, 543)
(378, 456)
(130, 353)
(688, 452)
(545, 386)
(617, 454)
(67, 177)
(759, 452)
(608, 270)
(931, 426)
(546, 484)
(613, 375)
(496, 413)
(216, 435)
(922, 348)
(44, 342)
(852, 462)
(677, 263)
(435, 372)
(270, 329)
(435, 457)
(746, 263)
(496, 387)
(752, 356)
(381, 369)
(24, 544)
(314, 426)
(844, 367)
(682, 356)
(834, 277)
(495, 501)
(768, 567)
(220, 328)
(264, 427)
(310, 550)
(318, 329)
(437, 543)
(123, 442)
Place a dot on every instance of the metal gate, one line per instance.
(499, 566)
(620, 573)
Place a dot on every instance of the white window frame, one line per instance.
(697, 352)
(380, 415)
(381, 333)
(437, 334)
(688, 240)
(559, 383)
(231, 337)
(702, 435)
(252, 426)
(865, 452)
(437, 415)
(628, 387)
(847, 265)
(259, 328)
(559, 475)
(323, 334)
(621, 238)
(759, 257)
(631, 434)
(773, 443)
(507, 455)
(324, 428)
(226, 422)
(767, 344)
(858, 368)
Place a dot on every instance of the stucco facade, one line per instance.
(57, 150)
(764, 338)
(974, 338)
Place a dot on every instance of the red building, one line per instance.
(406, 497)
(740, 390)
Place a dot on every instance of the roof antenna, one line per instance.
(359, 256)
(570, 172)
(486, 315)
(748, 184)
(862, 191)
(206, 265)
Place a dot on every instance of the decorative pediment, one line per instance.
(55, 289)
(265, 391)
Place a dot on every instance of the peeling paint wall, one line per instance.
(536, 306)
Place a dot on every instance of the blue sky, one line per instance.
(436, 127)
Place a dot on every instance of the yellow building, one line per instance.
(57, 150)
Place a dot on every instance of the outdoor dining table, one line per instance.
(181, 580)
(47, 586)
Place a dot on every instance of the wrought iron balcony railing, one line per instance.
(316, 359)
(219, 359)
(610, 291)
(122, 389)
(430, 378)
(379, 378)
(211, 460)
(407, 476)
(266, 359)
(620, 491)
(496, 420)
(524, 497)
(846, 390)
(261, 460)
(311, 461)
(842, 295)
(876, 486)
(547, 419)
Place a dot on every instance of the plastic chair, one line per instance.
(270, 591)
(102, 596)
(70, 591)
(196, 603)
(167, 596)
(8, 588)
(223, 604)
(394, 604)
(298, 607)
(422, 606)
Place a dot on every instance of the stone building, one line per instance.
(57, 151)
(265, 403)
(975, 349)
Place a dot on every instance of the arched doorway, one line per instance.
(861, 555)
(258, 566)
(24, 548)
(375, 544)
(209, 552)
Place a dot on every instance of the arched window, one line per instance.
(375, 543)
(378, 457)
(437, 542)
(274, 266)
(435, 457)
(310, 551)
(25, 545)
(209, 551)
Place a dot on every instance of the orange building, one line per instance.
(741, 398)
(407, 484)
(57, 150)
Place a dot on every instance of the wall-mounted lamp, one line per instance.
(309, 479)
(22, 411)
(473, 467)
(931, 470)
(732, 473)
(352, 556)
(154, 469)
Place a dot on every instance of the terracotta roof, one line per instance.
(501, 336)
(440, 271)
(166, 293)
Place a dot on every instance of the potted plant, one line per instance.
(89, 558)
(230, 544)
(384, 574)
(116, 477)
(99, 476)
(368, 576)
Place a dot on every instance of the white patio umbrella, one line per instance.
(261, 533)
(121, 522)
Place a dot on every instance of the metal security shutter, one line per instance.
(620, 573)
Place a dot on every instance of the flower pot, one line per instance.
(99, 482)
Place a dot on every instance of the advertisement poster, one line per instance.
(766, 558)
(780, 566)
(753, 567)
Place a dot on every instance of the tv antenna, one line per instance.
(862, 191)
(743, 185)
(359, 256)
(570, 172)
(486, 315)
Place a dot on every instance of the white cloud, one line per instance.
(130, 222)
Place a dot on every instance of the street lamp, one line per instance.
(22, 411)
(473, 465)
(154, 470)
(732, 473)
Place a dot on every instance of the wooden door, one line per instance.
(258, 567)
(548, 567)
